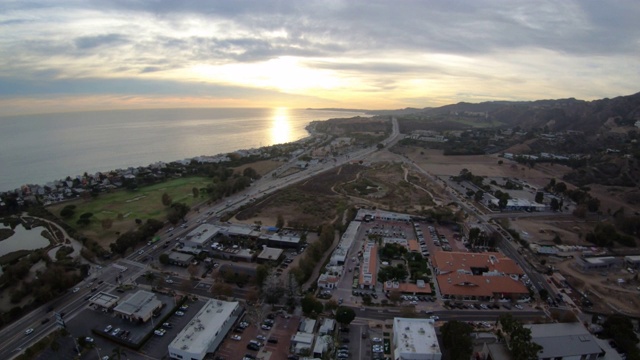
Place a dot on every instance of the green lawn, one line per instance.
(124, 206)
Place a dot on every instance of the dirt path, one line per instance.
(316, 271)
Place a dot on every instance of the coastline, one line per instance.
(96, 143)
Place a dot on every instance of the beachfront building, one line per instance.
(415, 339)
(206, 331)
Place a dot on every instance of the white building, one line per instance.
(205, 331)
(341, 252)
(415, 339)
(201, 236)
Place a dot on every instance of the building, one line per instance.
(369, 269)
(270, 255)
(201, 236)
(307, 325)
(478, 276)
(302, 342)
(138, 307)
(328, 280)
(205, 331)
(104, 300)
(321, 346)
(327, 327)
(598, 263)
(632, 261)
(341, 252)
(415, 339)
(180, 259)
(282, 240)
(419, 288)
(564, 341)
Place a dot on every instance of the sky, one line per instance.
(68, 55)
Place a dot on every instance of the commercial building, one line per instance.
(138, 307)
(419, 288)
(104, 300)
(200, 237)
(478, 276)
(205, 331)
(281, 240)
(269, 254)
(180, 259)
(598, 263)
(341, 252)
(415, 339)
(369, 269)
(564, 341)
(632, 261)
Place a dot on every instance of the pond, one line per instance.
(24, 239)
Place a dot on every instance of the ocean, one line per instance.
(36, 149)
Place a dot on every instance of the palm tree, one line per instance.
(117, 353)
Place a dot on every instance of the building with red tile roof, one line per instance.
(478, 276)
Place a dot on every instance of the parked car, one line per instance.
(179, 313)
(236, 337)
(108, 328)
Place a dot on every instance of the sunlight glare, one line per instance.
(280, 126)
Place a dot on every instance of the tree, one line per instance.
(221, 289)
(380, 146)
(195, 192)
(164, 259)
(310, 305)
(192, 270)
(331, 305)
(250, 173)
(555, 204)
(479, 195)
(262, 272)
(539, 197)
(456, 337)
(395, 296)
(280, 221)
(166, 199)
(345, 315)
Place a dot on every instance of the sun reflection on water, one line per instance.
(280, 126)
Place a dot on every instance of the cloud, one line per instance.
(335, 50)
(91, 42)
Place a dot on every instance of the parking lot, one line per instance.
(281, 331)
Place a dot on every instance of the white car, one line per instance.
(236, 337)
(76, 289)
(261, 338)
(28, 331)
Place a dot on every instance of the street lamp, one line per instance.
(98, 352)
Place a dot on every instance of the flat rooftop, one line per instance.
(205, 326)
(202, 233)
(270, 253)
(415, 336)
(141, 302)
(104, 299)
